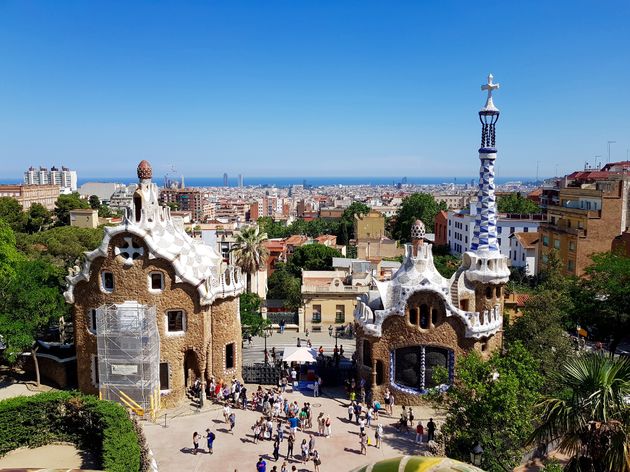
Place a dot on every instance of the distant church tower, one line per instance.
(486, 267)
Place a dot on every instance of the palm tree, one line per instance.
(590, 419)
(250, 252)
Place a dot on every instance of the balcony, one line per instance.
(579, 232)
(335, 289)
(565, 210)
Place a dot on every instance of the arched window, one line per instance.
(413, 315)
(137, 203)
(424, 316)
(498, 292)
(488, 293)
(379, 372)
(434, 316)
(367, 353)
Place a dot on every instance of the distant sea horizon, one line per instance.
(312, 181)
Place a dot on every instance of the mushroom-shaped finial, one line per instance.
(418, 230)
(144, 170)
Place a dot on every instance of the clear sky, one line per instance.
(310, 87)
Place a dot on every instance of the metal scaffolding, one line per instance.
(128, 346)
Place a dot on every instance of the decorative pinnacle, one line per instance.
(490, 87)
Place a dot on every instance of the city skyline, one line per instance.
(301, 90)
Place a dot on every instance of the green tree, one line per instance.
(250, 252)
(446, 264)
(273, 229)
(61, 245)
(604, 301)
(591, 418)
(94, 202)
(37, 218)
(491, 403)
(311, 257)
(31, 301)
(542, 326)
(345, 231)
(251, 319)
(65, 203)
(11, 212)
(420, 206)
(516, 203)
(9, 256)
(284, 286)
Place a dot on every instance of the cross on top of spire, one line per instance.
(490, 87)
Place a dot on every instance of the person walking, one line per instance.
(419, 432)
(261, 465)
(379, 435)
(284, 467)
(316, 460)
(311, 444)
(226, 412)
(387, 398)
(410, 416)
(320, 423)
(330, 330)
(290, 443)
(361, 425)
(316, 388)
(195, 442)
(210, 437)
(232, 419)
(280, 429)
(276, 449)
(350, 411)
(363, 443)
(257, 430)
(430, 430)
(328, 425)
(304, 448)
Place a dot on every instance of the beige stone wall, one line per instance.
(226, 329)
(398, 332)
(328, 305)
(132, 283)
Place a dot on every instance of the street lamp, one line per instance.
(266, 332)
(476, 454)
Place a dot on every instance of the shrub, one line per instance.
(94, 425)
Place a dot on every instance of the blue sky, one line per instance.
(310, 88)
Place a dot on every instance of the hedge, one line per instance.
(101, 427)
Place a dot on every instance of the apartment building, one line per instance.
(65, 178)
(461, 225)
(329, 297)
(593, 209)
(187, 199)
(26, 195)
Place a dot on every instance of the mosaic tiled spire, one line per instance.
(485, 232)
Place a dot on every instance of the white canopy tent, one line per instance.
(299, 354)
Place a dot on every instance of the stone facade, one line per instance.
(419, 322)
(194, 345)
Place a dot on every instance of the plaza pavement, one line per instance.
(256, 351)
(172, 444)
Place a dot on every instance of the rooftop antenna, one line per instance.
(595, 163)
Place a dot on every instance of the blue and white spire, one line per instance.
(485, 232)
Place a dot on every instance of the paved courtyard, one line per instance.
(237, 452)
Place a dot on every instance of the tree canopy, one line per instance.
(420, 206)
(516, 203)
(283, 285)
(61, 245)
(12, 214)
(491, 403)
(603, 297)
(65, 203)
(250, 252)
(542, 326)
(311, 257)
(590, 417)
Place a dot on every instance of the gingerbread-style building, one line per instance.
(419, 320)
(153, 309)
